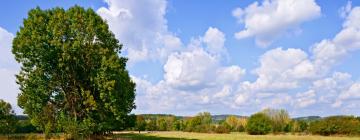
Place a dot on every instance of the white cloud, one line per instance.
(349, 36)
(292, 69)
(196, 78)
(352, 93)
(225, 91)
(326, 54)
(238, 13)
(281, 69)
(348, 97)
(142, 28)
(214, 40)
(197, 67)
(330, 52)
(230, 74)
(272, 18)
(9, 88)
(305, 99)
(190, 69)
(8, 69)
(7, 58)
(345, 10)
(242, 99)
(193, 77)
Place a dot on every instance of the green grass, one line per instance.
(232, 136)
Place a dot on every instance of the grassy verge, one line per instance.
(231, 136)
(174, 135)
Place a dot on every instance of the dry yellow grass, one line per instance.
(233, 136)
(175, 135)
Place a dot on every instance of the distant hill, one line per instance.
(308, 118)
(214, 117)
(217, 118)
(224, 116)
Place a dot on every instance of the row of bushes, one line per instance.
(201, 123)
(336, 125)
(17, 126)
(264, 122)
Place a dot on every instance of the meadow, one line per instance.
(177, 135)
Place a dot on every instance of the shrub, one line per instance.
(221, 129)
(336, 125)
(258, 124)
(279, 118)
(25, 126)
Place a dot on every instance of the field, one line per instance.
(174, 135)
(232, 136)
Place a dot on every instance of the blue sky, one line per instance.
(225, 57)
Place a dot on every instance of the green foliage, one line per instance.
(221, 129)
(199, 123)
(7, 118)
(336, 125)
(151, 125)
(178, 125)
(279, 119)
(299, 126)
(140, 124)
(259, 124)
(25, 126)
(71, 73)
(235, 124)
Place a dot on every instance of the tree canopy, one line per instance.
(72, 76)
(258, 124)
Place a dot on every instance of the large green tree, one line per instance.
(72, 78)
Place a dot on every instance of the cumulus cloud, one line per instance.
(193, 77)
(306, 76)
(348, 97)
(270, 19)
(305, 99)
(190, 69)
(142, 28)
(8, 69)
(7, 59)
(214, 40)
(330, 52)
(281, 69)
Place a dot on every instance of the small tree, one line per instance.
(151, 125)
(178, 125)
(279, 118)
(232, 122)
(162, 124)
(7, 118)
(258, 124)
(140, 124)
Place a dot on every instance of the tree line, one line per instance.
(276, 121)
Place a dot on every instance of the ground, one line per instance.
(173, 135)
(232, 136)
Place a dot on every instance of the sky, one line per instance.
(224, 57)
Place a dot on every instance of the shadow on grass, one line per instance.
(134, 136)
